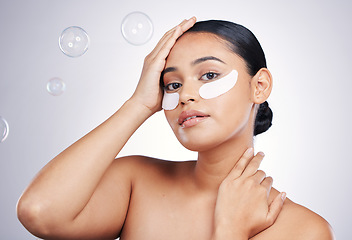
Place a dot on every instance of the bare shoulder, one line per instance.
(149, 162)
(296, 222)
(137, 166)
(303, 223)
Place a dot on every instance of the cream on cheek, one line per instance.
(207, 91)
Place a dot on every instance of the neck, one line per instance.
(213, 165)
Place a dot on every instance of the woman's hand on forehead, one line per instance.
(148, 91)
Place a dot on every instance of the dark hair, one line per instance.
(242, 42)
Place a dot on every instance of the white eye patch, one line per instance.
(207, 91)
(170, 100)
(218, 87)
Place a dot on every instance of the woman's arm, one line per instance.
(53, 203)
(83, 193)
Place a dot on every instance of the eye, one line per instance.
(209, 76)
(173, 86)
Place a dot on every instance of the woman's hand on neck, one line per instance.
(214, 165)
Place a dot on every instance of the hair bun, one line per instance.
(263, 118)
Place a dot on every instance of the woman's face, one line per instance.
(197, 59)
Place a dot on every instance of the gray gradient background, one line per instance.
(308, 49)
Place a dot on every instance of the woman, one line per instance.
(215, 86)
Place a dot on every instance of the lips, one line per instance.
(191, 117)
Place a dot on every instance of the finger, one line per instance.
(181, 24)
(241, 164)
(267, 183)
(165, 49)
(161, 42)
(170, 32)
(253, 165)
(259, 176)
(275, 208)
(184, 25)
(188, 24)
(164, 38)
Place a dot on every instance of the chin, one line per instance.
(198, 142)
(196, 147)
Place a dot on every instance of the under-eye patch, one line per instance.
(218, 87)
(170, 100)
(207, 91)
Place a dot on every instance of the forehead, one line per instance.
(192, 46)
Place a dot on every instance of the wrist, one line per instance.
(145, 108)
(131, 115)
(228, 231)
(225, 236)
(139, 107)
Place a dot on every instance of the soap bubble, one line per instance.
(137, 28)
(55, 86)
(4, 129)
(74, 41)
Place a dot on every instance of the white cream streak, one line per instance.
(206, 91)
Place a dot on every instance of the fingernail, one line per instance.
(261, 154)
(249, 152)
(283, 196)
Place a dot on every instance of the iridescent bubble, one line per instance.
(137, 28)
(74, 41)
(4, 129)
(55, 86)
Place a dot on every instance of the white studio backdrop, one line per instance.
(307, 45)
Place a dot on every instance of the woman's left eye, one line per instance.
(209, 76)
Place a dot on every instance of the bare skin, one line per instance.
(84, 193)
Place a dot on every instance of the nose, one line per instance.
(189, 93)
(187, 101)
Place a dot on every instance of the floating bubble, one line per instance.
(74, 41)
(55, 86)
(137, 28)
(4, 129)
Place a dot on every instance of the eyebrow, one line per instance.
(195, 62)
(207, 58)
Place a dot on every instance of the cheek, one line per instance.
(171, 118)
(232, 108)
